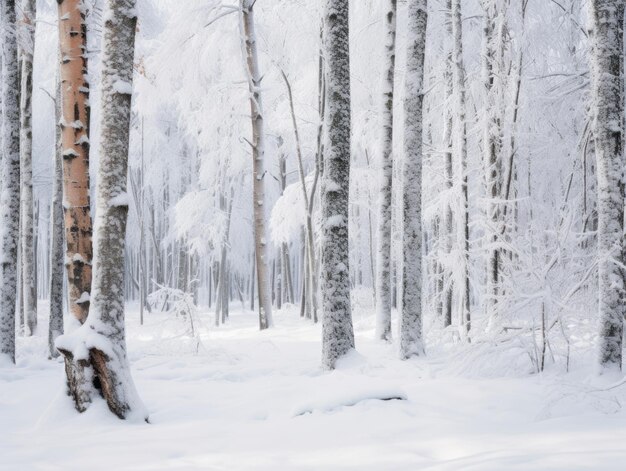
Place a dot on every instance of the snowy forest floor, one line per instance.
(259, 400)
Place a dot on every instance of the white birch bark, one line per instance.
(337, 330)
(411, 342)
(75, 122)
(103, 336)
(10, 197)
(258, 156)
(383, 272)
(26, 43)
(608, 124)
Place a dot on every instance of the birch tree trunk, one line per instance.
(26, 44)
(337, 331)
(461, 149)
(75, 138)
(411, 342)
(383, 272)
(10, 197)
(258, 156)
(57, 249)
(103, 336)
(607, 18)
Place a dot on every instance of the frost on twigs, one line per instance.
(180, 331)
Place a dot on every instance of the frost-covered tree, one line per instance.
(57, 246)
(258, 157)
(337, 331)
(75, 138)
(10, 197)
(383, 272)
(607, 17)
(411, 338)
(100, 344)
(460, 146)
(493, 76)
(26, 43)
(449, 157)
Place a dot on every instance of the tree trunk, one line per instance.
(337, 330)
(10, 198)
(461, 149)
(103, 338)
(448, 232)
(608, 113)
(258, 156)
(57, 247)
(75, 137)
(383, 273)
(26, 44)
(411, 342)
(492, 154)
(310, 240)
(288, 280)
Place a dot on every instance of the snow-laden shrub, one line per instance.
(179, 331)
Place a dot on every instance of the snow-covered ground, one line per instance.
(259, 400)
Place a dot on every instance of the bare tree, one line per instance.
(608, 124)
(459, 76)
(383, 272)
(103, 337)
(411, 342)
(447, 277)
(57, 249)
(26, 44)
(10, 198)
(337, 331)
(494, 30)
(258, 157)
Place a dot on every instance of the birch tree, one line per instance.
(607, 17)
(258, 158)
(383, 273)
(26, 43)
(411, 342)
(102, 338)
(337, 331)
(75, 138)
(10, 197)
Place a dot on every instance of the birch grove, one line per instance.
(439, 182)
